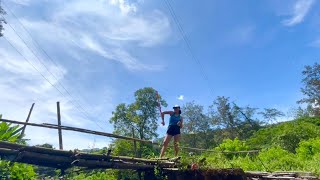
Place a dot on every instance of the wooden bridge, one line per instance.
(66, 159)
(63, 160)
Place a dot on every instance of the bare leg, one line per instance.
(176, 144)
(165, 145)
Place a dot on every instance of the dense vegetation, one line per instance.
(224, 126)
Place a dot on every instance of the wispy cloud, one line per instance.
(108, 32)
(240, 35)
(315, 43)
(75, 28)
(181, 97)
(21, 85)
(124, 6)
(21, 2)
(299, 10)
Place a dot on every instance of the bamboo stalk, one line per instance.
(59, 126)
(67, 128)
(117, 165)
(60, 161)
(20, 147)
(27, 120)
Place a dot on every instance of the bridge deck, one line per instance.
(65, 159)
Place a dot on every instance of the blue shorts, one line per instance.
(173, 130)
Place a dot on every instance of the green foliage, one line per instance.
(9, 133)
(308, 149)
(278, 159)
(232, 145)
(229, 145)
(95, 175)
(122, 148)
(16, 171)
(286, 135)
(196, 126)
(13, 170)
(235, 121)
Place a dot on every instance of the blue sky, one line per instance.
(101, 51)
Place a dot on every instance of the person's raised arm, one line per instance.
(162, 116)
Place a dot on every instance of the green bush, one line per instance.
(278, 159)
(308, 149)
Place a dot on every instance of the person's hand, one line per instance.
(162, 123)
(180, 124)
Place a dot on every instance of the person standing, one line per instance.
(175, 124)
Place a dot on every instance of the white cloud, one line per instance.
(181, 97)
(299, 11)
(117, 54)
(315, 43)
(108, 33)
(124, 6)
(21, 2)
(21, 85)
(74, 28)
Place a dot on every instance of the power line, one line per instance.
(71, 98)
(187, 42)
(31, 64)
(49, 57)
(36, 43)
(33, 39)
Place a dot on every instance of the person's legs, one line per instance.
(176, 139)
(165, 144)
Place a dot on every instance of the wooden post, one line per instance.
(27, 120)
(59, 126)
(134, 143)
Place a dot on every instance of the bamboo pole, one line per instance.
(65, 162)
(76, 155)
(27, 120)
(59, 126)
(67, 128)
(134, 143)
(37, 149)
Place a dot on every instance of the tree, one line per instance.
(138, 118)
(311, 87)
(270, 115)
(196, 125)
(300, 112)
(232, 120)
(2, 20)
(223, 116)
